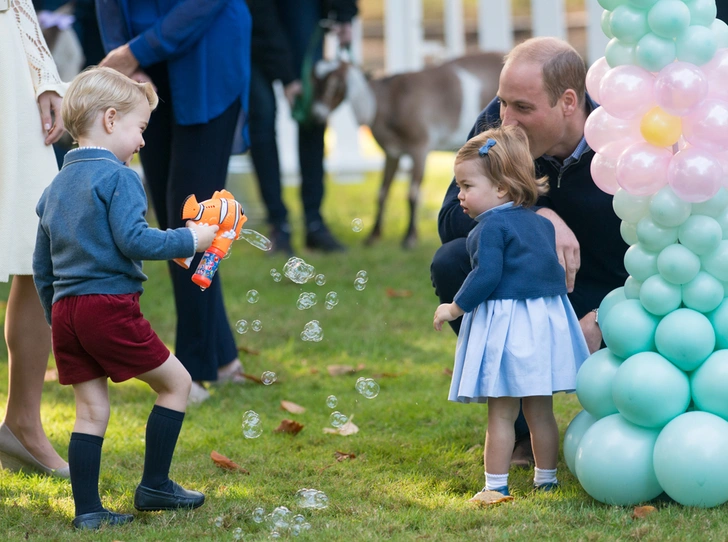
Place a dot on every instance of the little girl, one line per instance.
(520, 338)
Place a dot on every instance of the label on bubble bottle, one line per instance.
(206, 269)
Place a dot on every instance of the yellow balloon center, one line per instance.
(660, 128)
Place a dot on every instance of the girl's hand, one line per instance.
(122, 60)
(205, 234)
(50, 102)
(447, 312)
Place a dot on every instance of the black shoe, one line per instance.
(147, 499)
(95, 520)
(320, 238)
(280, 236)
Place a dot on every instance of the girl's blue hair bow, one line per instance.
(483, 151)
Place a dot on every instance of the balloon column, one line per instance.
(656, 399)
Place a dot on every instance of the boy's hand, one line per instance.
(205, 234)
(447, 312)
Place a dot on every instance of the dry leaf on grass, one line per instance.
(293, 408)
(226, 463)
(642, 511)
(249, 350)
(391, 292)
(386, 375)
(314, 371)
(339, 370)
(345, 430)
(447, 371)
(289, 426)
(343, 456)
(254, 378)
(51, 375)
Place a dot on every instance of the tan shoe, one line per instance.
(489, 496)
(198, 394)
(15, 457)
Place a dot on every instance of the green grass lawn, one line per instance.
(418, 457)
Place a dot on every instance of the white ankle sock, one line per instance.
(544, 476)
(496, 481)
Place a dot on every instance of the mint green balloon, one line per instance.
(611, 4)
(722, 219)
(704, 293)
(677, 264)
(604, 22)
(702, 12)
(629, 24)
(632, 288)
(572, 437)
(720, 31)
(594, 383)
(640, 263)
(654, 53)
(709, 382)
(629, 329)
(618, 53)
(649, 390)
(719, 320)
(630, 208)
(686, 338)
(667, 209)
(714, 206)
(654, 237)
(628, 231)
(614, 462)
(716, 262)
(689, 459)
(659, 296)
(696, 45)
(642, 4)
(669, 18)
(701, 234)
(609, 301)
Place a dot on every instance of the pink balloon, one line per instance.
(717, 72)
(695, 175)
(723, 160)
(604, 173)
(707, 126)
(627, 91)
(642, 168)
(602, 129)
(680, 87)
(594, 78)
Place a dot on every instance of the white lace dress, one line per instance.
(27, 165)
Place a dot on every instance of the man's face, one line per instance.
(524, 103)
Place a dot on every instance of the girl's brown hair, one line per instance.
(508, 163)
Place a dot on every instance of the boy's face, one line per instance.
(127, 131)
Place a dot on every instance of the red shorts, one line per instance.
(103, 335)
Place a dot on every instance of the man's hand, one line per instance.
(50, 102)
(141, 76)
(591, 331)
(447, 312)
(567, 247)
(122, 60)
(291, 90)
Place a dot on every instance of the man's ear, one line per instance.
(110, 117)
(569, 102)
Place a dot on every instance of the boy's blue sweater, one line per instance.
(93, 235)
(513, 254)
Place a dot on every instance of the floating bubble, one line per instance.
(332, 299)
(298, 270)
(312, 331)
(295, 529)
(357, 225)
(237, 533)
(256, 325)
(311, 498)
(320, 279)
(258, 240)
(250, 415)
(219, 521)
(281, 518)
(306, 526)
(258, 515)
(368, 388)
(253, 296)
(268, 377)
(227, 254)
(275, 534)
(241, 326)
(363, 275)
(277, 277)
(332, 401)
(306, 300)
(298, 519)
(273, 272)
(337, 419)
(360, 284)
(252, 428)
(360, 383)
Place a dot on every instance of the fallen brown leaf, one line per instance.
(51, 375)
(338, 370)
(386, 375)
(254, 378)
(293, 408)
(391, 292)
(248, 350)
(343, 456)
(289, 426)
(345, 430)
(447, 371)
(226, 463)
(642, 511)
(314, 371)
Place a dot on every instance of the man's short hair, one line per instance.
(98, 89)
(562, 67)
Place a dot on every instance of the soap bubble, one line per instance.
(273, 272)
(268, 377)
(332, 401)
(360, 284)
(253, 296)
(357, 225)
(281, 518)
(368, 387)
(360, 383)
(299, 519)
(298, 270)
(252, 428)
(295, 529)
(256, 325)
(237, 533)
(277, 277)
(306, 300)
(275, 534)
(251, 415)
(219, 521)
(320, 279)
(363, 275)
(337, 419)
(258, 240)
(241, 326)
(332, 299)
(312, 332)
(311, 498)
(258, 515)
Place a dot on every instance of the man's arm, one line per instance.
(567, 247)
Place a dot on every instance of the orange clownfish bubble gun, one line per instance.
(221, 210)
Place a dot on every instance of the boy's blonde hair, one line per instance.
(508, 164)
(97, 89)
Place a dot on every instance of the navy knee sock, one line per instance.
(163, 427)
(84, 462)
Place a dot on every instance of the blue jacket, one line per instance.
(92, 235)
(206, 44)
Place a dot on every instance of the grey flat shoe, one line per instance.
(14, 457)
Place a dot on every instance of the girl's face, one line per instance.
(126, 135)
(477, 192)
